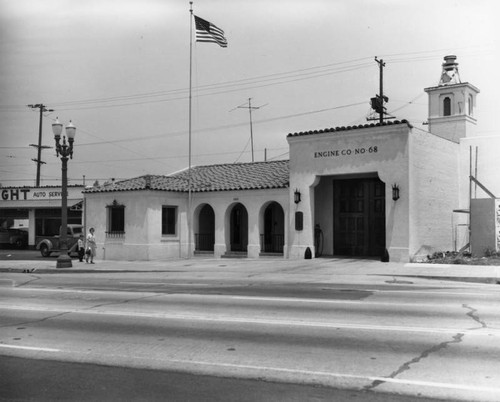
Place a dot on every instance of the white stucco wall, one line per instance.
(433, 193)
(143, 212)
(461, 122)
(142, 239)
(254, 201)
(375, 150)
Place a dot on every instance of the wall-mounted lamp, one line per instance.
(395, 192)
(296, 196)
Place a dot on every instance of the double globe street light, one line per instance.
(65, 150)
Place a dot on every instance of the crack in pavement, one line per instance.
(34, 279)
(133, 299)
(39, 320)
(457, 338)
(472, 314)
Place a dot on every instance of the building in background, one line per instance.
(38, 209)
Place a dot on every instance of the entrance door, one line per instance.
(239, 228)
(359, 217)
(205, 238)
(274, 226)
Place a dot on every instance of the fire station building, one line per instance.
(389, 191)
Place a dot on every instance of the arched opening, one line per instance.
(447, 106)
(273, 238)
(238, 223)
(205, 236)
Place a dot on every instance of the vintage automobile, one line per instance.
(13, 237)
(50, 244)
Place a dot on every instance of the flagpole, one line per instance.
(190, 115)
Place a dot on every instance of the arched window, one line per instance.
(447, 106)
(471, 105)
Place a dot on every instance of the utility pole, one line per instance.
(379, 100)
(381, 66)
(38, 160)
(250, 107)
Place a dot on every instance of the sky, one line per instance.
(120, 71)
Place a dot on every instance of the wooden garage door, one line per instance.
(359, 217)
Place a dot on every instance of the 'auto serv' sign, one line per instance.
(34, 194)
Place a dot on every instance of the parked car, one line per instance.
(50, 244)
(13, 237)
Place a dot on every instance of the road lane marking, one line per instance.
(164, 283)
(258, 321)
(278, 372)
(316, 374)
(29, 348)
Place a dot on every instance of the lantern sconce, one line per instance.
(296, 196)
(395, 192)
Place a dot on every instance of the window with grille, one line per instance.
(115, 219)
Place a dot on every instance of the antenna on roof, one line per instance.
(249, 107)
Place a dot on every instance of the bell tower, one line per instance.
(452, 104)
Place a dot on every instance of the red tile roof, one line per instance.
(223, 177)
(347, 128)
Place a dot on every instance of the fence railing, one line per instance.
(272, 243)
(115, 234)
(204, 241)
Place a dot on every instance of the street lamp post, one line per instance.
(65, 150)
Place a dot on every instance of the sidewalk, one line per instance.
(271, 269)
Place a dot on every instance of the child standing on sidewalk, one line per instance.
(81, 248)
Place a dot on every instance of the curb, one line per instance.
(468, 279)
(74, 271)
(471, 279)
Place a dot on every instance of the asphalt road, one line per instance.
(360, 341)
(48, 381)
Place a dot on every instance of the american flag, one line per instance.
(208, 32)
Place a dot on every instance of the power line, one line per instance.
(212, 93)
(162, 159)
(288, 76)
(211, 89)
(223, 127)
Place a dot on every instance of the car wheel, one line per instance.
(44, 249)
(19, 243)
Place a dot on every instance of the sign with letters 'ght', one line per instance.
(30, 194)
